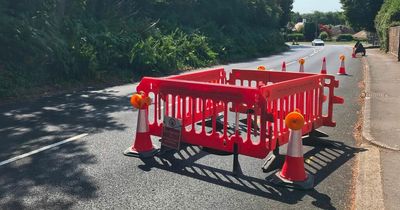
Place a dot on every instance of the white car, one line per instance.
(317, 42)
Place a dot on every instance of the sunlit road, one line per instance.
(90, 171)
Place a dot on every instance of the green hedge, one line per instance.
(295, 37)
(388, 16)
(44, 43)
(344, 37)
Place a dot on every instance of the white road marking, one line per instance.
(315, 51)
(42, 149)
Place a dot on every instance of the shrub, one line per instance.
(170, 52)
(295, 37)
(344, 37)
(323, 35)
(388, 16)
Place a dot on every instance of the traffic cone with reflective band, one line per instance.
(323, 69)
(283, 66)
(142, 145)
(342, 69)
(293, 173)
(301, 62)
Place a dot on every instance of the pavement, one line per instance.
(379, 186)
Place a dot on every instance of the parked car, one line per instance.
(317, 42)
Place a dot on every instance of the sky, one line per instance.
(308, 6)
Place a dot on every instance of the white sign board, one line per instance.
(171, 136)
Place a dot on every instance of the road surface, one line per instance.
(87, 169)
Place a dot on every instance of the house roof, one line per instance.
(361, 35)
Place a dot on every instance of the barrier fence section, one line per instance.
(248, 109)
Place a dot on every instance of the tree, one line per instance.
(310, 31)
(326, 18)
(286, 7)
(361, 13)
(295, 17)
(388, 16)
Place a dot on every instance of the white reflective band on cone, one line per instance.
(143, 119)
(295, 144)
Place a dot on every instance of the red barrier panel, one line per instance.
(252, 106)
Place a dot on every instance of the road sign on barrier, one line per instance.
(171, 136)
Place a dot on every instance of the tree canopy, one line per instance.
(361, 13)
(326, 18)
(286, 7)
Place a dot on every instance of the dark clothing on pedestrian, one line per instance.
(359, 48)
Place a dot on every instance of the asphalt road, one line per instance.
(91, 172)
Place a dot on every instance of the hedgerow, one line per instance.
(56, 42)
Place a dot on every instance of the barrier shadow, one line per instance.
(183, 162)
(326, 156)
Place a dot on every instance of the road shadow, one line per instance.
(345, 75)
(53, 179)
(28, 126)
(321, 161)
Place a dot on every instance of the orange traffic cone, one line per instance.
(323, 69)
(293, 172)
(142, 146)
(301, 62)
(353, 55)
(283, 66)
(342, 69)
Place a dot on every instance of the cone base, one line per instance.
(147, 154)
(342, 71)
(307, 184)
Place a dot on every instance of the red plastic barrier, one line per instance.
(251, 103)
